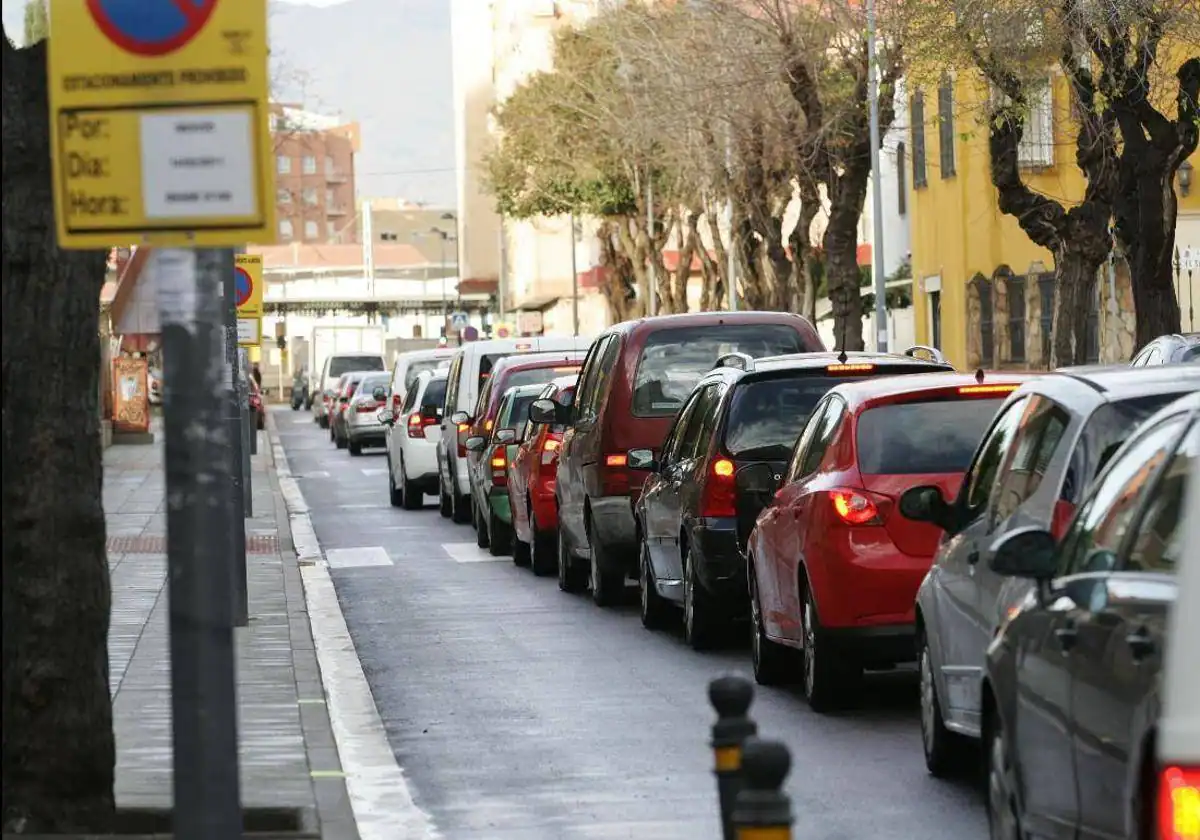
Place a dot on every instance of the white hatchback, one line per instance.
(414, 431)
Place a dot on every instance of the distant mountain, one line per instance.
(386, 64)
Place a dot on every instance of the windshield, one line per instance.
(415, 369)
(673, 360)
(922, 438)
(767, 415)
(344, 364)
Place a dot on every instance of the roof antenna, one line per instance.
(842, 355)
(979, 375)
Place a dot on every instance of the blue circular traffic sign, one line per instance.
(151, 27)
(244, 284)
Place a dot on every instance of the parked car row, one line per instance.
(1016, 536)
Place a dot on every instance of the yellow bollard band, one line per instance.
(728, 758)
(775, 832)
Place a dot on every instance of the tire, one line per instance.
(1003, 811)
(261, 422)
(825, 678)
(323, 421)
(499, 535)
(460, 508)
(411, 498)
(608, 587)
(355, 448)
(521, 551)
(946, 752)
(340, 442)
(445, 503)
(482, 537)
(773, 663)
(570, 576)
(542, 548)
(394, 494)
(702, 622)
(655, 609)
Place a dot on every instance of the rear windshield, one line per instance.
(435, 393)
(518, 412)
(1192, 354)
(344, 364)
(929, 437)
(767, 415)
(673, 360)
(531, 376)
(415, 369)
(372, 382)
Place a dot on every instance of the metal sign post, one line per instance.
(233, 425)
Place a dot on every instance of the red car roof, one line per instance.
(878, 390)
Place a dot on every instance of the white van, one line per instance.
(1178, 742)
(337, 364)
(408, 366)
(469, 369)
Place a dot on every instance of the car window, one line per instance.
(516, 412)
(1191, 354)
(674, 439)
(823, 435)
(410, 401)
(805, 440)
(1154, 357)
(673, 360)
(453, 380)
(370, 383)
(534, 376)
(416, 368)
(922, 437)
(1095, 536)
(766, 416)
(981, 479)
(564, 397)
(435, 394)
(590, 372)
(703, 420)
(486, 363)
(1043, 424)
(1158, 544)
(598, 387)
(341, 364)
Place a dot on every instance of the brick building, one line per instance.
(314, 176)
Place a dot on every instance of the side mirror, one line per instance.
(545, 412)
(925, 504)
(431, 412)
(475, 443)
(460, 417)
(380, 394)
(1025, 553)
(506, 435)
(641, 459)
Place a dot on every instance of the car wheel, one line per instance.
(1004, 821)
(460, 508)
(340, 442)
(771, 660)
(355, 448)
(944, 750)
(499, 535)
(522, 553)
(569, 577)
(541, 549)
(480, 523)
(608, 587)
(825, 678)
(701, 619)
(655, 610)
(394, 494)
(411, 497)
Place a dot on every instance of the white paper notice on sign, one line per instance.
(198, 164)
(249, 331)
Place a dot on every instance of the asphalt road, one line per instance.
(517, 711)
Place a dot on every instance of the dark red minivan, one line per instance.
(635, 378)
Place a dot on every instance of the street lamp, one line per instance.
(1185, 178)
(576, 234)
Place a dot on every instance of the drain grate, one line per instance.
(255, 544)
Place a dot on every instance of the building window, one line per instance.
(935, 318)
(283, 196)
(946, 126)
(388, 236)
(1016, 319)
(917, 112)
(1036, 148)
(901, 179)
(330, 169)
(329, 202)
(310, 165)
(283, 165)
(311, 231)
(1046, 292)
(987, 326)
(331, 231)
(310, 196)
(285, 229)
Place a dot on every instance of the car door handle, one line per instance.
(973, 556)
(1140, 643)
(1067, 635)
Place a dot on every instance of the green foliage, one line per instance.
(37, 22)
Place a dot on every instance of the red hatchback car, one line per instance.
(833, 568)
(531, 485)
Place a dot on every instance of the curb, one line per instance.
(376, 786)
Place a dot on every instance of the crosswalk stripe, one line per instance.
(357, 558)
(375, 471)
(469, 553)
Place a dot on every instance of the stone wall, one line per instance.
(1118, 321)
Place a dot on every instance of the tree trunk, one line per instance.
(1075, 270)
(843, 277)
(720, 290)
(804, 286)
(619, 286)
(58, 753)
(690, 238)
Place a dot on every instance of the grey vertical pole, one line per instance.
(233, 426)
(574, 282)
(248, 432)
(207, 799)
(443, 235)
(881, 325)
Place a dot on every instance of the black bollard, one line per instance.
(763, 810)
(731, 697)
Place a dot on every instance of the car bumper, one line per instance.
(500, 504)
(367, 434)
(545, 509)
(719, 564)
(613, 526)
(879, 645)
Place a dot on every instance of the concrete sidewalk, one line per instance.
(289, 759)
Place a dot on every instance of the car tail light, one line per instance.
(550, 447)
(487, 425)
(985, 390)
(855, 507)
(463, 430)
(1179, 803)
(616, 460)
(719, 497)
(850, 368)
(416, 426)
(614, 476)
(499, 464)
(396, 403)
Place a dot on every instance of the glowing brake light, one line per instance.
(462, 427)
(499, 462)
(723, 467)
(719, 497)
(859, 368)
(615, 460)
(854, 508)
(550, 445)
(487, 427)
(987, 389)
(567, 370)
(524, 345)
(1179, 803)
(499, 465)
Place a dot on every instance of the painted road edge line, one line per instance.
(378, 790)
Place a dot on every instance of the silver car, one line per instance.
(363, 424)
(1046, 444)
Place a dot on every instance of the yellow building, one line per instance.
(982, 289)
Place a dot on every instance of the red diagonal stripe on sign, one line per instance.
(191, 9)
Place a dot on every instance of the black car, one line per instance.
(1170, 350)
(1071, 692)
(691, 519)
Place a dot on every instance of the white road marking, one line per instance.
(372, 506)
(379, 795)
(296, 421)
(357, 558)
(315, 474)
(469, 553)
(375, 471)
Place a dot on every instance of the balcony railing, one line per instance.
(334, 177)
(333, 210)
